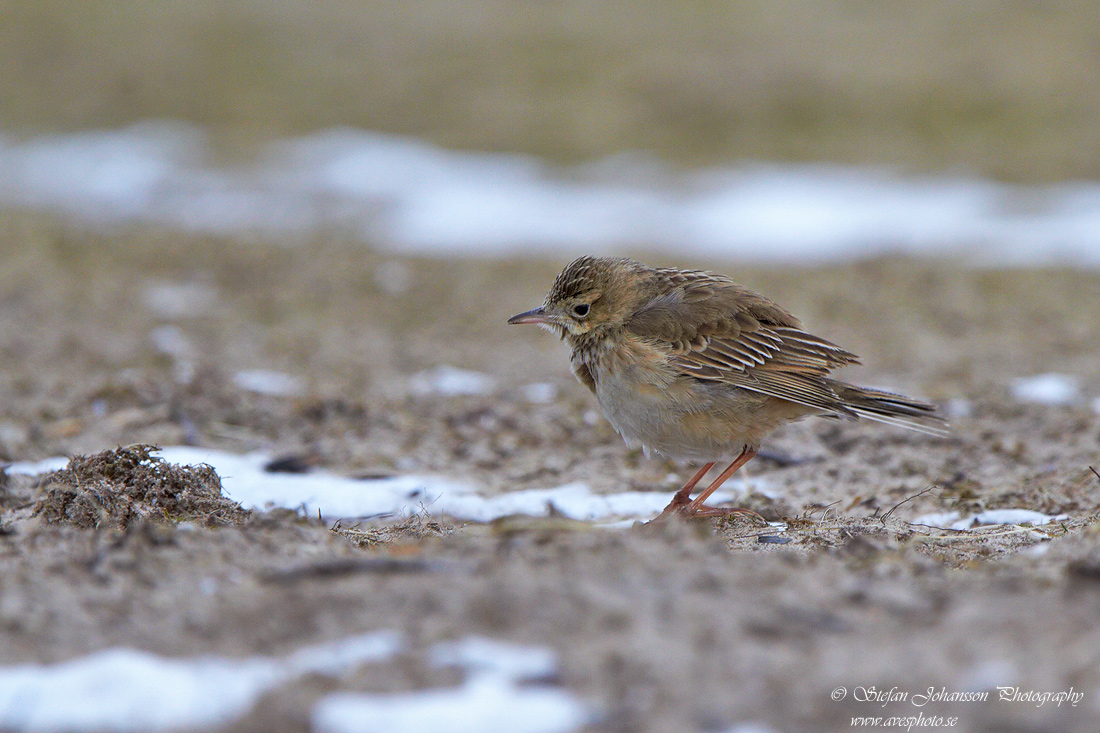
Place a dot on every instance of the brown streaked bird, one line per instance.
(692, 366)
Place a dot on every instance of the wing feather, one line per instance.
(718, 331)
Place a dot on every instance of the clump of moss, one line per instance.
(117, 487)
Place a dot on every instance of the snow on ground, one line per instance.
(335, 497)
(172, 341)
(408, 195)
(1047, 389)
(540, 393)
(448, 381)
(269, 382)
(339, 497)
(128, 690)
(491, 699)
(952, 520)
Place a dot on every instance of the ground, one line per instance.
(694, 626)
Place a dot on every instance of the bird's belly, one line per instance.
(684, 419)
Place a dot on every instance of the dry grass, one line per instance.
(116, 488)
(1011, 90)
(410, 531)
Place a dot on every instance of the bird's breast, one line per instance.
(654, 406)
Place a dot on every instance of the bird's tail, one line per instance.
(890, 408)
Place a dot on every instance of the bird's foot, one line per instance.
(681, 506)
(719, 512)
(676, 507)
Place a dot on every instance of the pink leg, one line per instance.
(745, 457)
(679, 503)
(683, 497)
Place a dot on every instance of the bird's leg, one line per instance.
(746, 455)
(684, 494)
(683, 497)
(696, 508)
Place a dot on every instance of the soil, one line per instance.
(685, 626)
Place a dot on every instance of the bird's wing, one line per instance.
(715, 330)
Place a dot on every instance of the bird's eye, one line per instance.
(580, 310)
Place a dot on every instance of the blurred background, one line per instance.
(738, 130)
(1006, 90)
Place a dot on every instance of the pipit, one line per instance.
(692, 366)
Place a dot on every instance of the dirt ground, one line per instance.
(681, 627)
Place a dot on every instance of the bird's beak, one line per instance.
(538, 315)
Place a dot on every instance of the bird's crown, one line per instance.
(588, 273)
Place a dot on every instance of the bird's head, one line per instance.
(590, 294)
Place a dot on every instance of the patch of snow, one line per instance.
(540, 393)
(172, 341)
(447, 381)
(130, 690)
(100, 176)
(335, 497)
(244, 480)
(1017, 516)
(483, 704)
(491, 699)
(951, 520)
(574, 500)
(269, 382)
(957, 407)
(411, 196)
(335, 657)
(943, 520)
(488, 656)
(1047, 389)
(35, 468)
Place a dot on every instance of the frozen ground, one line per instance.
(410, 196)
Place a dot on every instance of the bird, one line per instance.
(692, 366)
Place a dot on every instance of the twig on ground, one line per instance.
(904, 501)
(825, 510)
